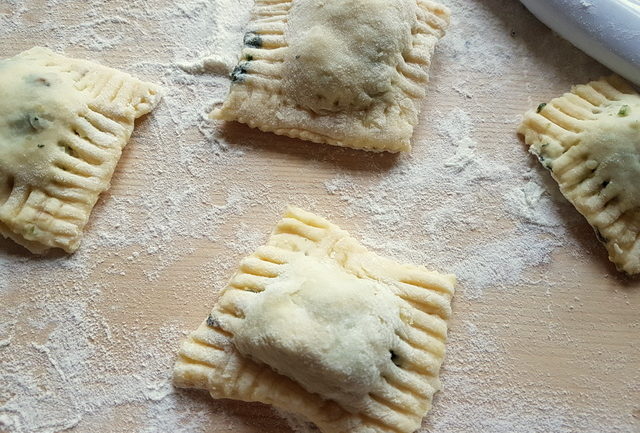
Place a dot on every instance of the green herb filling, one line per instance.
(624, 111)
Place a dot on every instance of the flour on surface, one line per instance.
(87, 341)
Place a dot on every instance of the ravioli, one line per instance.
(589, 140)
(63, 124)
(315, 324)
(343, 72)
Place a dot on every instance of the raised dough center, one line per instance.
(36, 105)
(324, 328)
(343, 53)
(615, 146)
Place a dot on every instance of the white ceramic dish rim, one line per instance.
(607, 30)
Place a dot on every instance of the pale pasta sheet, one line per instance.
(63, 124)
(344, 72)
(589, 140)
(315, 324)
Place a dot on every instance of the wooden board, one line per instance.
(554, 347)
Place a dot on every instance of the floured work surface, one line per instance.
(544, 332)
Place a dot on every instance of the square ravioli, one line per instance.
(589, 140)
(343, 72)
(63, 124)
(315, 324)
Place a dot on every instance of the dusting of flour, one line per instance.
(87, 341)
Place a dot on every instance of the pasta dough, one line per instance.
(590, 141)
(315, 324)
(303, 325)
(343, 72)
(63, 124)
